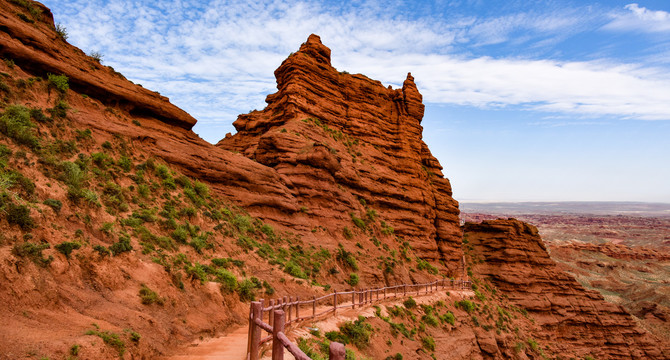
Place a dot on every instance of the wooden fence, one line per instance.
(287, 310)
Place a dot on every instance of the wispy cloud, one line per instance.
(639, 18)
(216, 59)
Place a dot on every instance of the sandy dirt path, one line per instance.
(233, 345)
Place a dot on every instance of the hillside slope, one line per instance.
(125, 235)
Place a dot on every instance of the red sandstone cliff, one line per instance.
(339, 138)
(577, 321)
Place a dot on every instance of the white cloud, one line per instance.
(639, 18)
(217, 59)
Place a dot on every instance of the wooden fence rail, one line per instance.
(281, 313)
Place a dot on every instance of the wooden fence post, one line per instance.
(404, 290)
(277, 346)
(251, 326)
(384, 292)
(353, 299)
(272, 312)
(297, 308)
(335, 301)
(290, 300)
(336, 351)
(314, 307)
(256, 312)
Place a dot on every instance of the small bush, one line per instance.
(347, 258)
(409, 303)
(38, 115)
(227, 279)
(59, 111)
(102, 250)
(20, 215)
(358, 222)
(61, 31)
(357, 332)
(15, 123)
(353, 279)
(58, 82)
(428, 343)
(149, 296)
(33, 252)
(123, 245)
(430, 319)
(247, 290)
(449, 318)
(294, 270)
(110, 339)
(347, 233)
(268, 288)
(67, 247)
(467, 305)
(97, 56)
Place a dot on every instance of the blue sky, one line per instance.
(525, 101)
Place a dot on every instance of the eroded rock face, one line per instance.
(578, 321)
(338, 138)
(39, 49)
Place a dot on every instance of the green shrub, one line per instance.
(102, 250)
(110, 339)
(346, 258)
(347, 233)
(268, 288)
(227, 279)
(430, 319)
(428, 343)
(397, 356)
(20, 215)
(58, 82)
(74, 350)
(357, 332)
(59, 111)
(81, 135)
(247, 290)
(149, 296)
(123, 245)
(201, 189)
(422, 264)
(33, 252)
(61, 31)
(162, 171)
(38, 116)
(125, 163)
(358, 222)
(15, 123)
(533, 344)
(353, 279)
(449, 318)
(294, 270)
(466, 305)
(409, 303)
(181, 235)
(67, 247)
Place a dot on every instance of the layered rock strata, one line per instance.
(578, 321)
(338, 138)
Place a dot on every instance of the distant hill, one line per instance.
(569, 207)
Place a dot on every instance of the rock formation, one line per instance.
(578, 321)
(338, 138)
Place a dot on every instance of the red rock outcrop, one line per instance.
(338, 138)
(40, 50)
(577, 321)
